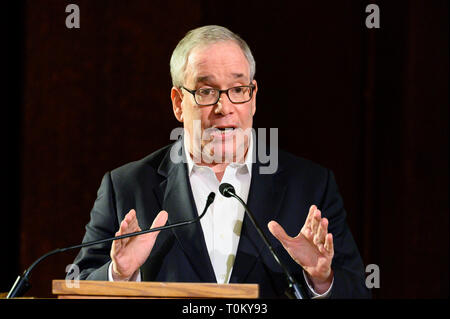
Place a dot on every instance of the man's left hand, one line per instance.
(312, 248)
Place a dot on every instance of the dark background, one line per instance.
(372, 105)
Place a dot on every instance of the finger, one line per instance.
(308, 222)
(319, 237)
(279, 233)
(310, 216)
(123, 229)
(129, 216)
(315, 221)
(117, 244)
(329, 246)
(128, 225)
(307, 232)
(124, 225)
(132, 221)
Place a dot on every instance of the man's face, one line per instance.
(216, 130)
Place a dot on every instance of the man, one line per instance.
(214, 96)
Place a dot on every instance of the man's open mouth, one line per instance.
(224, 130)
(221, 132)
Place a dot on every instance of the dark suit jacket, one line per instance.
(180, 255)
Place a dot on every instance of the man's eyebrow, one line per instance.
(203, 78)
(207, 78)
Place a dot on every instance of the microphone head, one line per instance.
(226, 189)
(211, 197)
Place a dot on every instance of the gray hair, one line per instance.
(203, 36)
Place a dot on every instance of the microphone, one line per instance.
(300, 292)
(21, 285)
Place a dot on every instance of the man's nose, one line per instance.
(224, 105)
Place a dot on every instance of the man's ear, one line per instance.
(176, 97)
(254, 97)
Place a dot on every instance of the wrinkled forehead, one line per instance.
(222, 61)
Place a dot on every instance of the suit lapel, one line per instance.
(264, 201)
(176, 198)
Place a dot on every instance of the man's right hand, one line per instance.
(129, 254)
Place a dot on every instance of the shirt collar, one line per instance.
(247, 162)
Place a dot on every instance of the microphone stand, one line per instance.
(22, 284)
(295, 290)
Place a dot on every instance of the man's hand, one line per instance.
(129, 254)
(312, 248)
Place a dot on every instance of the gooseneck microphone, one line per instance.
(227, 190)
(21, 285)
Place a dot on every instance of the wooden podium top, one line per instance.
(107, 289)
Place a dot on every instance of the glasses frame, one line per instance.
(251, 86)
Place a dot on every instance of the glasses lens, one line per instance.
(240, 94)
(206, 96)
(209, 96)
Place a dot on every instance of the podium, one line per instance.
(92, 289)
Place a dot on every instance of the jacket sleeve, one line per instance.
(347, 265)
(93, 261)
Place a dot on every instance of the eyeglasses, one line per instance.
(210, 96)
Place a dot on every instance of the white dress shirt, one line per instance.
(222, 223)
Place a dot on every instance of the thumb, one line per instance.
(160, 220)
(278, 232)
